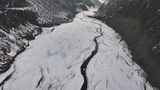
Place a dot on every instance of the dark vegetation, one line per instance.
(16, 23)
(138, 22)
(13, 18)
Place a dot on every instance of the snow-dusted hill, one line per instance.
(82, 55)
(21, 21)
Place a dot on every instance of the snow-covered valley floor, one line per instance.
(76, 55)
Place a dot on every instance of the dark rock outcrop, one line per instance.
(138, 22)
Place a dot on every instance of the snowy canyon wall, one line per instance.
(138, 22)
(22, 20)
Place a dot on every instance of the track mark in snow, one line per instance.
(7, 78)
(86, 62)
(50, 87)
(41, 78)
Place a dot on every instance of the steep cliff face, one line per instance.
(138, 21)
(22, 20)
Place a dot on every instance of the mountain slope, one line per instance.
(138, 23)
(21, 21)
(55, 61)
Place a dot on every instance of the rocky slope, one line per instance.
(57, 11)
(22, 20)
(138, 22)
(16, 29)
